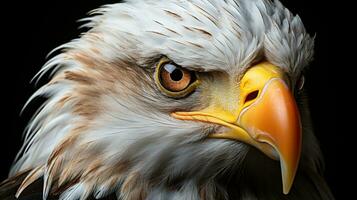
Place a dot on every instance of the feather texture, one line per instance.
(105, 128)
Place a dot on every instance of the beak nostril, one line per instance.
(251, 96)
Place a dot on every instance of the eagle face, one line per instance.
(171, 99)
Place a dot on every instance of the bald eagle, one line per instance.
(175, 99)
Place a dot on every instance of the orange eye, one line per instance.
(174, 78)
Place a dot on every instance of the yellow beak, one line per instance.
(265, 115)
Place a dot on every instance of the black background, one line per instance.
(33, 29)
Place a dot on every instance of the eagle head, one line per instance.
(177, 99)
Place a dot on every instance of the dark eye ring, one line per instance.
(174, 80)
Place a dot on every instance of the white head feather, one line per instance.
(105, 128)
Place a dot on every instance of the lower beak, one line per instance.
(266, 117)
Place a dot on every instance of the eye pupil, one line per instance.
(176, 75)
(175, 79)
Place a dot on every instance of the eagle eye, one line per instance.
(174, 80)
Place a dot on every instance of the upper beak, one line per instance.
(265, 115)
